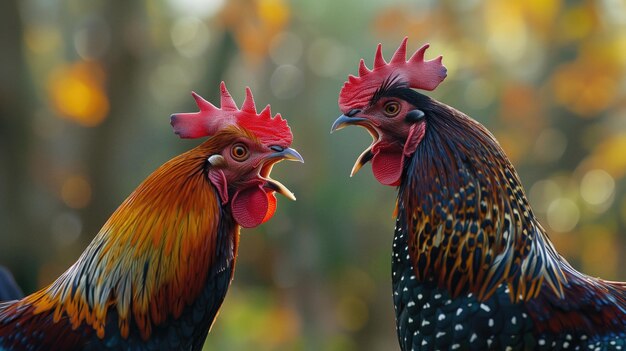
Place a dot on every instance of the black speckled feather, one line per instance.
(472, 267)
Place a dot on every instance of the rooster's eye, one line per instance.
(391, 109)
(239, 152)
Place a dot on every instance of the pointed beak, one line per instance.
(364, 158)
(344, 121)
(349, 120)
(288, 154)
(280, 154)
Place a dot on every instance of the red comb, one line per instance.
(210, 119)
(419, 74)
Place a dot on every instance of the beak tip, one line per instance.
(290, 154)
(341, 122)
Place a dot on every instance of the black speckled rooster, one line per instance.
(472, 269)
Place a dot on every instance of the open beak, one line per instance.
(344, 121)
(281, 154)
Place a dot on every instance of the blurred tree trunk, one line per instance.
(224, 53)
(16, 110)
(120, 66)
(19, 225)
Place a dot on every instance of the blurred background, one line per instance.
(86, 90)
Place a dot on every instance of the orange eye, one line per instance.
(391, 109)
(239, 152)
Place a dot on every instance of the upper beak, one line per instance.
(288, 154)
(344, 121)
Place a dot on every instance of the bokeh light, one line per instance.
(287, 81)
(542, 193)
(201, 8)
(190, 36)
(327, 58)
(563, 215)
(76, 191)
(597, 187)
(286, 48)
(92, 38)
(550, 145)
(77, 93)
(66, 228)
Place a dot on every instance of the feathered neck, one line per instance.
(470, 225)
(150, 259)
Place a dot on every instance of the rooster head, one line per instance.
(247, 144)
(382, 100)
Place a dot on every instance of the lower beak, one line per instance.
(344, 121)
(364, 158)
(288, 154)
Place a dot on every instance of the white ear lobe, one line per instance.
(217, 160)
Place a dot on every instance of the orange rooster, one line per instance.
(155, 275)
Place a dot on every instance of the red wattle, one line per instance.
(218, 179)
(271, 208)
(252, 206)
(387, 166)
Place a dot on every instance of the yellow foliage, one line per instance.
(504, 25)
(586, 86)
(610, 156)
(541, 13)
(521, 106)
(284, 326)
(274, 14)
(76, 91)
(600, 256)
(397, 19)
(576, 23)
(352, 312)
(255, 23)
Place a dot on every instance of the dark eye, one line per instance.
(391, 109)
(239, 152)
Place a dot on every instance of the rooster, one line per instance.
(155, 275)
(472, 267)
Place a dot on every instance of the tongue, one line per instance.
(387, 166)
(253, 206)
